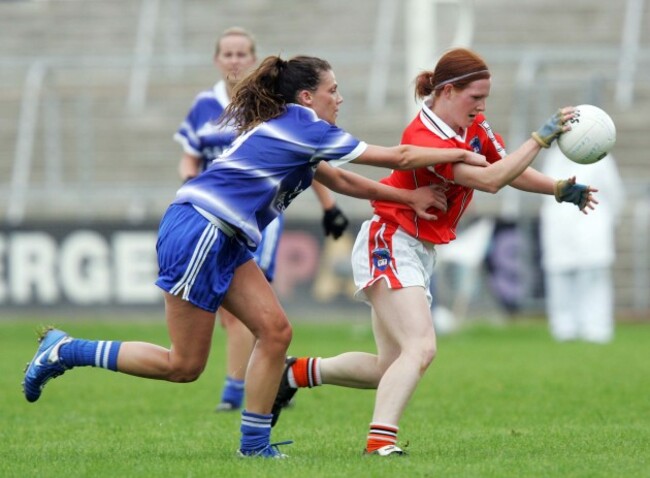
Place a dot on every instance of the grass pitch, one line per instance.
(497, 402)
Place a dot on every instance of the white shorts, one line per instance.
(385, 251)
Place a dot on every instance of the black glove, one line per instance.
(334, 222)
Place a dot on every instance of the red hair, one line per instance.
(458, 67)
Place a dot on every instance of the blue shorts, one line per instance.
(196, 258)
(267, 250)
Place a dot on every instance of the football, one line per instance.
(592, 135)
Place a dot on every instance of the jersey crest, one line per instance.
(475, 144)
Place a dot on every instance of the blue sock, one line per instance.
(233, 392)
(255, 430)
(96, 353)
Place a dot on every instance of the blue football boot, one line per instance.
(269, 451)
(46, 364)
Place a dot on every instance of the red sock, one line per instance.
(306, 372)
(381, 435)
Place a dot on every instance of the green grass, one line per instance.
(498, 402)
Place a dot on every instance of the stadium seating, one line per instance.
(90, 140)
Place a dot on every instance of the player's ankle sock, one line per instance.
(381, 435)
(96, 353)
(233, 392)
(255, 430)
(305, 372)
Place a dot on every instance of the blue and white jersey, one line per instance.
(255, 179)
(199, 134)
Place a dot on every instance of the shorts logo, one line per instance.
(381, 258)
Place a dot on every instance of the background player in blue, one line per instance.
(203, 139)
(285, 112)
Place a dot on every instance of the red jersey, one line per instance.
(427, 129)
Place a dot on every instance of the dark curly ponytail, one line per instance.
(265, 92)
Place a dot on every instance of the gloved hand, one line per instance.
(550, 130)
(334, 222)
(566, 190)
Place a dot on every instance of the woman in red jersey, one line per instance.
(394, 253)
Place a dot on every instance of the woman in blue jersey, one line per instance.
(203, 138)
(285, 115)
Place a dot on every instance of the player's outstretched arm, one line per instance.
(406, 156)
(508, 170)
(564, 190)
(355, 185)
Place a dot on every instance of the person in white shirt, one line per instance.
(578, 253)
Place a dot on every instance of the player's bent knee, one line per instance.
(283, 334)
(277, 333)
(276, 322)
(185, 373)
(427, 355)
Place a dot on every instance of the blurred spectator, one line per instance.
(578, 252)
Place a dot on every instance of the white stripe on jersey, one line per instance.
(187, 147)
(490, 134)
(189, 130)
(352, 155)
